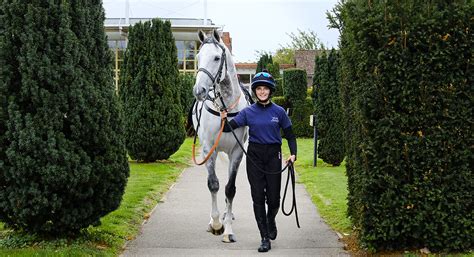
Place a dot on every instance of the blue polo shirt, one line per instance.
(264, 122)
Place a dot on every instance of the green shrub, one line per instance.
(186, 92)
(300, 118)
(280, 100)
(274, 69)
(294, 83)
(63, 162)
(187, 99)
(328, 109)
(263, 63)
(150, 92)
(407, 93)
(279, 87)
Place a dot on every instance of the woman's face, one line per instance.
(262, 93)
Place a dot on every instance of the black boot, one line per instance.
(261, 218)
(265, 246)
(272, 228)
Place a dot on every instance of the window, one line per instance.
(187, 51)
(244, 78)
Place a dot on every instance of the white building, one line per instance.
(185, 32)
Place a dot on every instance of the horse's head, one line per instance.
(212, 64)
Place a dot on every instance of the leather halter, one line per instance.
(217, 78)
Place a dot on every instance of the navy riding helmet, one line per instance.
(263, 79)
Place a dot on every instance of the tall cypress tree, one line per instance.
(149, 92)
(263, 63)
(407, 97)
(63, 161)
(329, 109)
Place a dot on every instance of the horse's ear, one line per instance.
(216, 35)
(201, 35)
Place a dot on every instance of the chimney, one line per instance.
(205, 12)
(227, 40)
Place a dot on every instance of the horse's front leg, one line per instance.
(215, 225)
(234, 161)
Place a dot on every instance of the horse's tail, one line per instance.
(190, 123)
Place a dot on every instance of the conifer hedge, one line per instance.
(300, 118)
(263, 63)
(328, 108)
(187, 98)
(294, 86)
(279, 87)
(295, 92)
(150, 92)
(186, 92)
(408, 101)
(63, 162)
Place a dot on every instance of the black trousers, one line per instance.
(264, 187)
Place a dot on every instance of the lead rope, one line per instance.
(291, 175)
(213, 148)
(198, 118)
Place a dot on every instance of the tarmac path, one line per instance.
(177, 226)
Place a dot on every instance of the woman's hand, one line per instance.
(291, 159)
(223, 114)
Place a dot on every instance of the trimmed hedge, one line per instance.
(300, 118)
(150, 93)
(295, 91)
(328, 108)
(280, 100)
(187, 98)
(186, 92)
(279, 87)
(63, 163)
(408, 101)
(294, 86)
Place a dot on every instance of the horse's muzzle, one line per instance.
(200, 93)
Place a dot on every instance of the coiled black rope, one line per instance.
(291, 174)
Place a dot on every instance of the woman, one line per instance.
(265, 119)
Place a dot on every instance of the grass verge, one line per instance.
(326, 184)
(146, 185)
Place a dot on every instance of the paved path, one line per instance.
(178, 224)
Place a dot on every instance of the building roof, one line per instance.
(247, 65)
(117, 28)
(175, 22)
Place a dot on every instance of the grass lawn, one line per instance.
(146, 185)
(327, 185)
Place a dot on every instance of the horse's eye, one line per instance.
(217, 58)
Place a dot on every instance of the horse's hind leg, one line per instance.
(215, 225)
(234, 161)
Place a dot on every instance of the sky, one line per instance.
(254, 25)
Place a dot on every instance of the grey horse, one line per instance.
(217, 87)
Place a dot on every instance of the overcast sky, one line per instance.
(254, 25)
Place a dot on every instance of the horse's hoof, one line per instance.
(230, 238)
(216, 232)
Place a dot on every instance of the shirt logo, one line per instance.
(275, 119)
